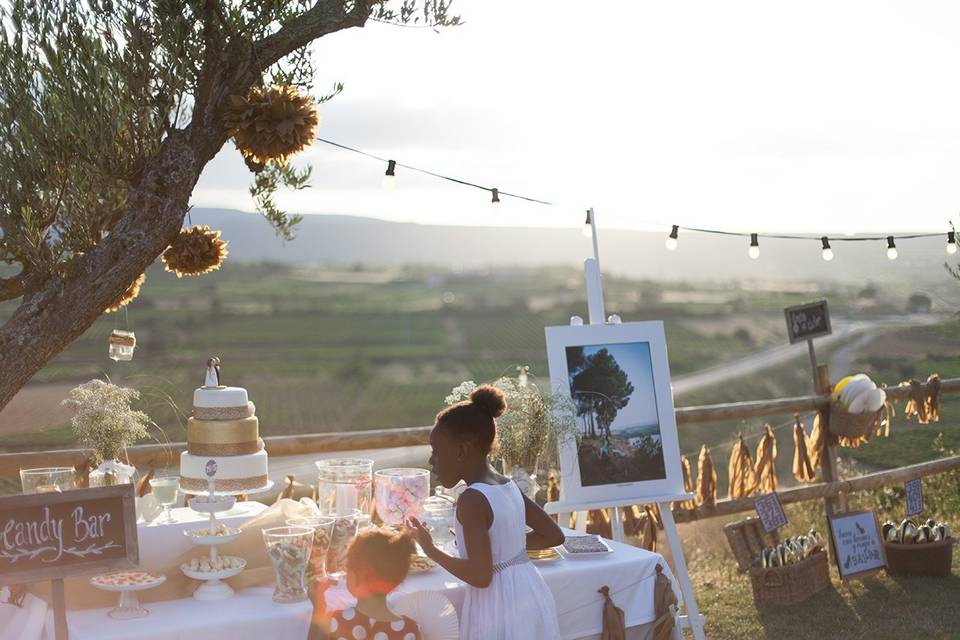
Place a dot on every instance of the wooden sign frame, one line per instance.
(794, 338)
(836, 554)
(124, 493)
(913, 496)
(760, 505)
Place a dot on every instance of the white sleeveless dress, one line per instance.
(518, 604)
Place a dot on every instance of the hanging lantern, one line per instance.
(127, 296)
(271, 123)
(194, 252)
(122, 344)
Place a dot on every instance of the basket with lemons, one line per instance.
(856, 407)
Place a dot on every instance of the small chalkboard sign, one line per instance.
(770, 511)
(857, 544)
(808, 321)
(914, 492)
(54, 535)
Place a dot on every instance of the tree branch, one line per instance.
(327, 16)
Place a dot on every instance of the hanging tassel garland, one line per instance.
(803, 469)
(706, 480)
(916, 403)
(818, 441)
(128, 295)
(648, 530)
(743, 479)
(687, 485)
(933, 397)
(766, 468)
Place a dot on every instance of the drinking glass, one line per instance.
(322, 534)
(344, 484)
(344, 531)
(400, 494)
(48, 479)
(289, 551)
(165, 491)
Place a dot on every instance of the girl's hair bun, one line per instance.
(489, 399)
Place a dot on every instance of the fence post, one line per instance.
(828, 462)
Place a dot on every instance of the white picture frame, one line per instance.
(590, 471)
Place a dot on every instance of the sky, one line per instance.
(815, 117)
(634, 359)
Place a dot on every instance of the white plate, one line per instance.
(212, 575)
(127, 587)
(433, 612)
(230, 536)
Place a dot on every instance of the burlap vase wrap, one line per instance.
(248, 545)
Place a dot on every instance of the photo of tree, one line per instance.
(613, 393)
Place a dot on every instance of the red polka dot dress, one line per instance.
(350, 624)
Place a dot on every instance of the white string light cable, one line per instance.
(673, 239)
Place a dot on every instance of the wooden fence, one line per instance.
(832, 489)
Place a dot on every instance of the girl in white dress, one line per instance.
(506, 598)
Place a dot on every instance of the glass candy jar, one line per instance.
(344, 484)
(122, 344)
(400, 493)
(438, 516)
(289, 551)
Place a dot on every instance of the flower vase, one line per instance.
(526, 481)
(112, 472)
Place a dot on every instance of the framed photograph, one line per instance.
(618, 380)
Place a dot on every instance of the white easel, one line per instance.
(692, 620)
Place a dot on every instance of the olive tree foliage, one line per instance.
(109, 110)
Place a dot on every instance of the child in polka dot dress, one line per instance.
(377, 561)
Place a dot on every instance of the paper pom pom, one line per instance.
(271, 124)
(127, 296)
(195, 251)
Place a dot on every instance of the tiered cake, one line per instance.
(223, 437)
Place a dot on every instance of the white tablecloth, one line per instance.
(162, 544)
(250, 614)
(628, 571)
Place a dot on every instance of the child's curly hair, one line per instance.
(380, 559)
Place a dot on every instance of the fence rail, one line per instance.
(161, 455)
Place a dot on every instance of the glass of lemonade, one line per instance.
(165, 491)
(48, 479)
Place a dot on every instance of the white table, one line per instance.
(628, 571)
(250, 614)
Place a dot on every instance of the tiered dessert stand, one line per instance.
(213, 587)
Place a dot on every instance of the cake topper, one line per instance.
(213, 372)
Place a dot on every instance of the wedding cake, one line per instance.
(223, 440)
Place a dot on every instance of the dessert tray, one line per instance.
(127, 583)
(585, 547)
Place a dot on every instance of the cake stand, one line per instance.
(129, 605)
(213, 587)
(242, 492)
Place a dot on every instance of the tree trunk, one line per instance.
(51, 318)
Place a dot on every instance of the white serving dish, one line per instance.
(103, 586)
(586, 554)
(230, 536)
(223, 574)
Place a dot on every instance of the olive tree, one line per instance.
(109, 111)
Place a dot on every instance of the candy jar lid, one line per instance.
(435, 505)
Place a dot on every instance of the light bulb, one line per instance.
(390, 178)
(951, 242)
(754, 250)
(827, 251)
(587, 230)
(891, 248)
(672, 238)
(576, 321)
(952, 248)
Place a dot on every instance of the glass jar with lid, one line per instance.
(344, 484)
(439, 516)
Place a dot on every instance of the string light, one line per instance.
(389, 180)
(588, 227)
(672, 238)
(827, 252)
(390, 177)
(891, 248)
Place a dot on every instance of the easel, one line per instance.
(692, 620)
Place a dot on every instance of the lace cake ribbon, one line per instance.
(223, 413)
(232, 484)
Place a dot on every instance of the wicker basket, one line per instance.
(792, 584)
(748, 540)
(927, 559)
(852, 425)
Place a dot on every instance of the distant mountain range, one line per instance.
(347, 240)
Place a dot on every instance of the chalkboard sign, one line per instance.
(858, 549)
(53, 535)
(914, 492)
(808, 321)
(770, 512)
